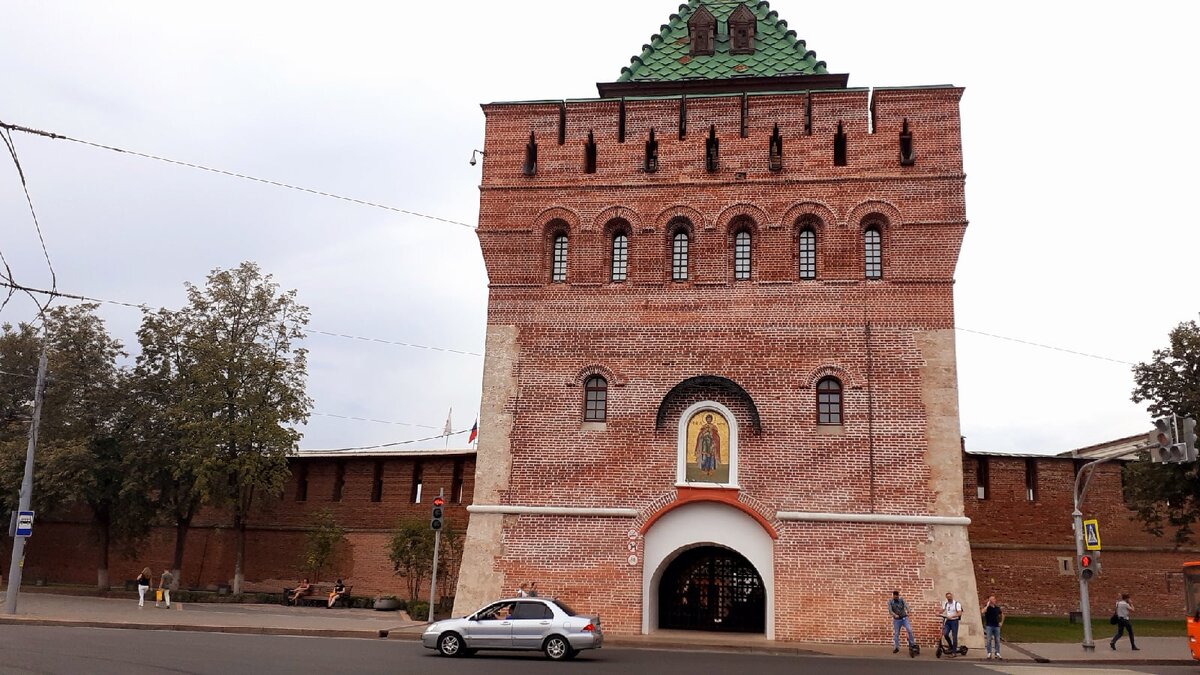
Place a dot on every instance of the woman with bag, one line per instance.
(143, 584)
(1121, 619)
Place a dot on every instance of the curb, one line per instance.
(238, 630)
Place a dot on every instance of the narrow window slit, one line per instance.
(651, 162)
(530, 167)
(745, 116)
(562, 123)
(712, 148)
(621, 123)
(775, 151)
(682, 117)
(908, 154)
(839, 147)
(589, 154)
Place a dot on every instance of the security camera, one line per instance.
(476, 152)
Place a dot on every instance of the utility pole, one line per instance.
(18, 549)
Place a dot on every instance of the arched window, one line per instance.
(558, 266)
(829, 401)
(595, 399)
(808, 253)
(679, 256)
(741, 255)
(620, 257)
(873, 253)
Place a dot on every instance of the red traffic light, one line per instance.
(438, 501)
(1085, 561)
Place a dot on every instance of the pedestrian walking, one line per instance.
(899, 611)
(952, 610)
(143, 584)
(993, 619)
(1121, 618)
(164, 587)
(533, 589)
(521, 592)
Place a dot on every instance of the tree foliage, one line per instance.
(411, 553)
(81, 457)
(245, 390)
(322, 543)
(1167, 495)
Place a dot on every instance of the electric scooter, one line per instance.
(944, 646)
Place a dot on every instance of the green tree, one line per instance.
(1167, 495)
(411, 553)
(170, 426)
(246, 389)
(322, 543)
(80, 456)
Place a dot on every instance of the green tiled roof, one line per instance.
(777, 50)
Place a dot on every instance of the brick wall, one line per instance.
(64, 550)
(1017, 544)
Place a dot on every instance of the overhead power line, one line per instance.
(1037, 344)
(391, 445)
(12, 150)
(233, 174)
(84, 298)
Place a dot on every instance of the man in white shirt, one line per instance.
(952, 610)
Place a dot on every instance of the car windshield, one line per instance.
(563, 607)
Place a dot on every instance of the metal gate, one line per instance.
(712, 588)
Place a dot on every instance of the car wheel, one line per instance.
(450, 644)
(557, 648)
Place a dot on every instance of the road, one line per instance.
(99, 651)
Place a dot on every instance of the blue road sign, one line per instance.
(24, 523)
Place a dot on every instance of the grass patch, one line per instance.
(1059, 629)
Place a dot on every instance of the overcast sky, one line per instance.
(1079, 134)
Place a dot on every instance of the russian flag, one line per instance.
(474, 432)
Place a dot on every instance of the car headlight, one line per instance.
(432, 629)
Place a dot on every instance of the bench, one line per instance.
(318, 596)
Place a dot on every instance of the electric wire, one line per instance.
(391, 445)
(1037, 344)
(233, 174)
(12, 150)
(321, 414)
(85, 298)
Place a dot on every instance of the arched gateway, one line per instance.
(712, 588)
(708, 566)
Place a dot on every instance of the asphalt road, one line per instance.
(99, 651)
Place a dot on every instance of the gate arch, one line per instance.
(712, 588)
(705, 525)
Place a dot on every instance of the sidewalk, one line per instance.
(66, 610)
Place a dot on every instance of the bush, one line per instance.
(418, 610)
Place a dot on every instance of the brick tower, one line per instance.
(720, 388)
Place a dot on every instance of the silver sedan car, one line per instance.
(532, 624)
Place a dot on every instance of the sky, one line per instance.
(1078, 138)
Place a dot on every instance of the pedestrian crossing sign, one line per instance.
(1091, 535)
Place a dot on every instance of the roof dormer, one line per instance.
(702, 32)
(743, 26)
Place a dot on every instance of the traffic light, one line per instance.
(1187, 438)
(1162, 441)
(1087, 566)
(436, 523)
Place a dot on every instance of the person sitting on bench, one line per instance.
(299, 591)
(339, 590)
